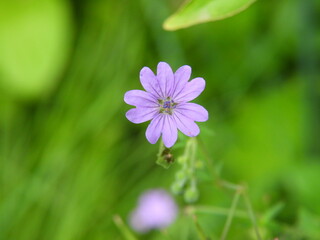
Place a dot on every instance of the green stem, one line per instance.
(193, 147)
(251, 214)
(126, 233)
(193, 143)
(229, 185)
(165, 234)
(201, 234)
(236, 187)
(217, 179)
(187, 148)
(215, 210)
(208, 159)
(231, 215)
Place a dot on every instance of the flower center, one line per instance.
(166, 106)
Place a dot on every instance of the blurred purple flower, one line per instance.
(166, 103)
(156, 210)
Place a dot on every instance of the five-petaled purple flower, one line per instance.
(166, 103)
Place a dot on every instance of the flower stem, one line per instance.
(231, 214)
(251, 213)
(240, 190)
(208, 159)
(215, 210)
(201, 234)
(126, 233)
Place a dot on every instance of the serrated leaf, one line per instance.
(200, 11)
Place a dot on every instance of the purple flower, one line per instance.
(156, 210)
(166, 103)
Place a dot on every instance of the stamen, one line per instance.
(166, 106)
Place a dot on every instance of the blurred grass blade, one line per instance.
(272, 212)
(199, 11)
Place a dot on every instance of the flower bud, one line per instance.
(182, 160)
(191, 195)
(181, 175)
(189, 172)
(199, 164)
(178, 186)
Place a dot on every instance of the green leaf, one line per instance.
(199, 11)
(272, 212)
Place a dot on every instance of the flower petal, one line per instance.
(169, 131)
(193, 111)
(181, 77)
(140, 98)
(186, 125)
(191, 90)
(154, 129)
(149, 81)
(141, 114)
(165, 78)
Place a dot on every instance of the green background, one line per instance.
(70, 160)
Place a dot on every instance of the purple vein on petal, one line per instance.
(187, 126)
(191, 90)
(140, 115)
(154, 129)
(140, 98)
(148, 79)
(181, 77)
(169, 131)
(165, 78)
(193, 111)
(159, 80)
(169, 80)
